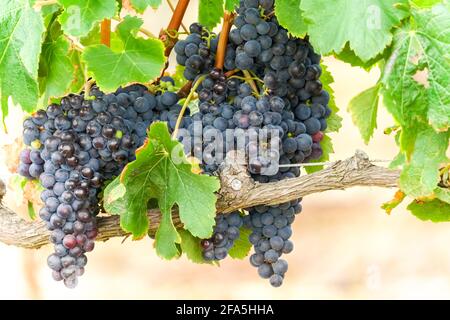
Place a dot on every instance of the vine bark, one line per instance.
(238, 191)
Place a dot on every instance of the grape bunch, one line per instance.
(271, 230)
(73, 147)
(289, 66)
(197, 51)
(290, 104)
(225, 234)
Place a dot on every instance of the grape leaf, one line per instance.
(365, 24)
(334, 121)
(31, 210)
(442, 194)
(435, 210)
(230, 5)
(56, 71)
(78, 73)
(290, 16)
(49, 14)
(141, 5)
(80, 16)
(420, 51)
(349, 56)
(364, 108)
(398, 161)
(327, 148)
(139, 61)
(432, 36)
(160, 172)
(178, 77)
(210, 12)
(421, 176)
(425, 3)
(394, 202)
(190, 246)
(21, 29)
(114, 197)
(242, 245)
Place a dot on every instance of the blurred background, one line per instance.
(346, 247)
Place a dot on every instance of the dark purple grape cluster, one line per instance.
(291, 105)
(271, 230)
(289, 66)
(226, 232)
(197, 51)
(74, 147)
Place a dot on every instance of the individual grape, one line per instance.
(243, 61)
(276, 280)
(256, 259)
(276, 243)
(54, 262)
(34, 170)
(248, 32)
(265, 271)
(285, 232)
(252, 48)
(312, 126)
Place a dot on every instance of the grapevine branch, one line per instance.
(238, 191)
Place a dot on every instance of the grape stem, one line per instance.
(75, 43)
(357, 170)
(228, 19)
(185, 90)
(185, 105)
(172, 7)
(105, 32)
(249, 80)
(174, 25)
(164, 34)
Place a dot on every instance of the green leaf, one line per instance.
(114, 197)
(78, 74)
(432, 36)
(435, 210)
(364, 108)
(334, 121)
(58, 72)
(425, 3)
(366, 24)
(80, 16)
(290, 16)
(210, 13)
(421, 175)
(49, 14)
(230, 5)
(242, 245)
(417, 75)
(141, 5)
(18, 182)
(442, 194)
(394, 202)
(327, 148)
(398, 161)
(190, 246)
(21, 29)
(178, 77)
(349, 56)
(140, 60)
(162, 172)
(31, 211)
